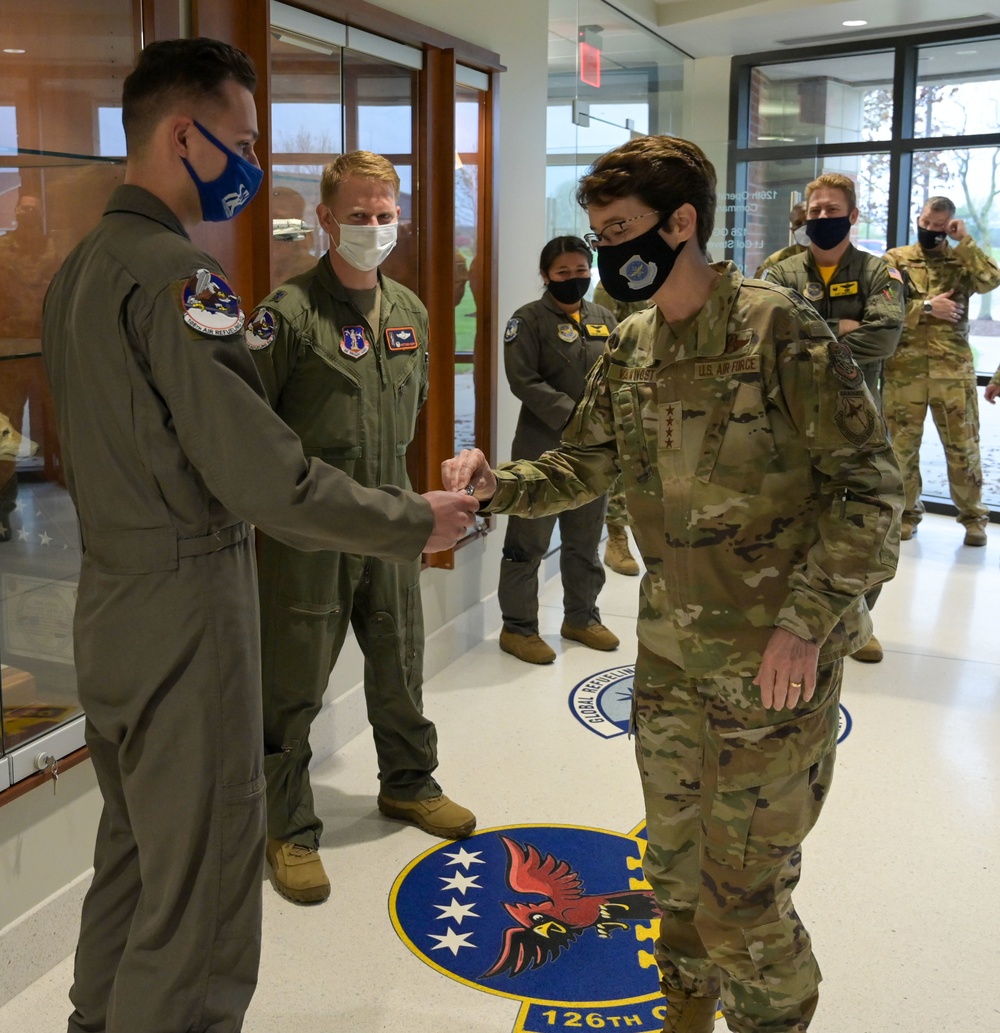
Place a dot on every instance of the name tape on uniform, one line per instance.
(842, 290)
(401, 338)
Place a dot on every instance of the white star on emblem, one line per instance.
(456, 911)
(460, 882)
(465, 858)
(452, 940)
(44, 538)
(23, 536)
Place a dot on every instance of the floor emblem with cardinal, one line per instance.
(559, 917)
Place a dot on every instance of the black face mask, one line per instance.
(636, 269)
(570, 291)
(930, 239)
(826, 234)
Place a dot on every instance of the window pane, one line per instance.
(958, 89)
(835, 100)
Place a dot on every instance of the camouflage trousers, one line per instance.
(731, 790)
(616, 514)
(955, 410)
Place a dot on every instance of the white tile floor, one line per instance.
(900, 877)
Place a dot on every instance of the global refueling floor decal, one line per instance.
(603, 703)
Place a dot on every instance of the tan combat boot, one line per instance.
(597, 636)
(687, 1014)
(616, 552)
(439, 816)
(907, 531)
(870, 653)
(975, 534)
(298, 872)
(529, 648)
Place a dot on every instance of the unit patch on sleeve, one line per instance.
(353, 341)
(401, 339)
(855, 417)
(260, 330)
(510, 334)
(842, 364)
(210, 306)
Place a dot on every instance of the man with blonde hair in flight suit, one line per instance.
(342, 352)
(169, 447)
(765, 497)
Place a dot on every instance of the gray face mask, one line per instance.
(800, 236)
(366, 247)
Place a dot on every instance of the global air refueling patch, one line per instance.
(556, 916)
(210, 306)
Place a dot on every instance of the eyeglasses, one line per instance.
(612, 234)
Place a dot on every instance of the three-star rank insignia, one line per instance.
(353, 341)
(210, 306)
(260, 330)
(568, 332)
(671, 414)
(401, 339)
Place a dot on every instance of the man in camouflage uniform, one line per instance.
(859, 296)
(765, 497)
(800, 242)
(616, 551)
(933, 366)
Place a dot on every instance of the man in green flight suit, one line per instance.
(342, 353)
(765, 497)
(933, 366)
(170, 450)
(859, 296)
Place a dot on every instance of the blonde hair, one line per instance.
(835, 181)
(357, 163)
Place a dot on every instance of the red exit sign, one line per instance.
(590, 64)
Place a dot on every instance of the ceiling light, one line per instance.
(962, 53)
(12, 50)
(855, 23)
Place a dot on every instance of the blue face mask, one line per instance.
(223, 197)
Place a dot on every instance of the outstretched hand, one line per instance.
(469, 468)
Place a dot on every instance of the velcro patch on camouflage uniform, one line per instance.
(855, 417)
(631, 374)
(738, 341)
(671, 416)
(726, 367)
(843, 290)
(843, 366)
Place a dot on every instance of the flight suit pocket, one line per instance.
(407, 388)
(771, 783)
(738, 447)
(242, 845)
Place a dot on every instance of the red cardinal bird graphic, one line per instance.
(544, 927)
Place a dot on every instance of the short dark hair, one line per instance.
(178, 70)
(664, 172)
(562, 246)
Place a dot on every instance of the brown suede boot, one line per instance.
(532, 649)
(298, 872)
(616, 552)
(687, 1014)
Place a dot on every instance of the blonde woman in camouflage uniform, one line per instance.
(765, 497)
(933, 368)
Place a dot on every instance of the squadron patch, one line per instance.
(210, 306)
(843, 290)
(813, 291)
(843, 366)
(353, 341)
(855, 418)
(510, 334)
(260, 330)
(568, 332)
(401, 339)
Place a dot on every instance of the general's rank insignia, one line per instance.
(855, 418)
(210, 306)
(260, 330)
(353, 341)
(510, 334)
(597, 330)
(401, 339)
(671, 414)
(568, 332)
(813, 291)
(843, 290)
(843, 366)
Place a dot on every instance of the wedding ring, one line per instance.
(795, 684)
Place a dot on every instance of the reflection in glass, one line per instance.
(958, 89)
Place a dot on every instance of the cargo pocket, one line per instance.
(771, 784)
(738, 446)
(630, 400)
(241, 861)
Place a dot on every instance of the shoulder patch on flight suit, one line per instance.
(843, 290)
(855, 417)
(210, 306)
(568, 332)
(510, 334)
(843, 366)
(260, 329)
(353, 341)
(401, 338)
(597, 329)
(895, 274)
(813, 291)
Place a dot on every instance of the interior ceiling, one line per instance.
(725, 27)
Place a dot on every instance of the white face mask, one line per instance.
(800, 237)
(366, 247)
